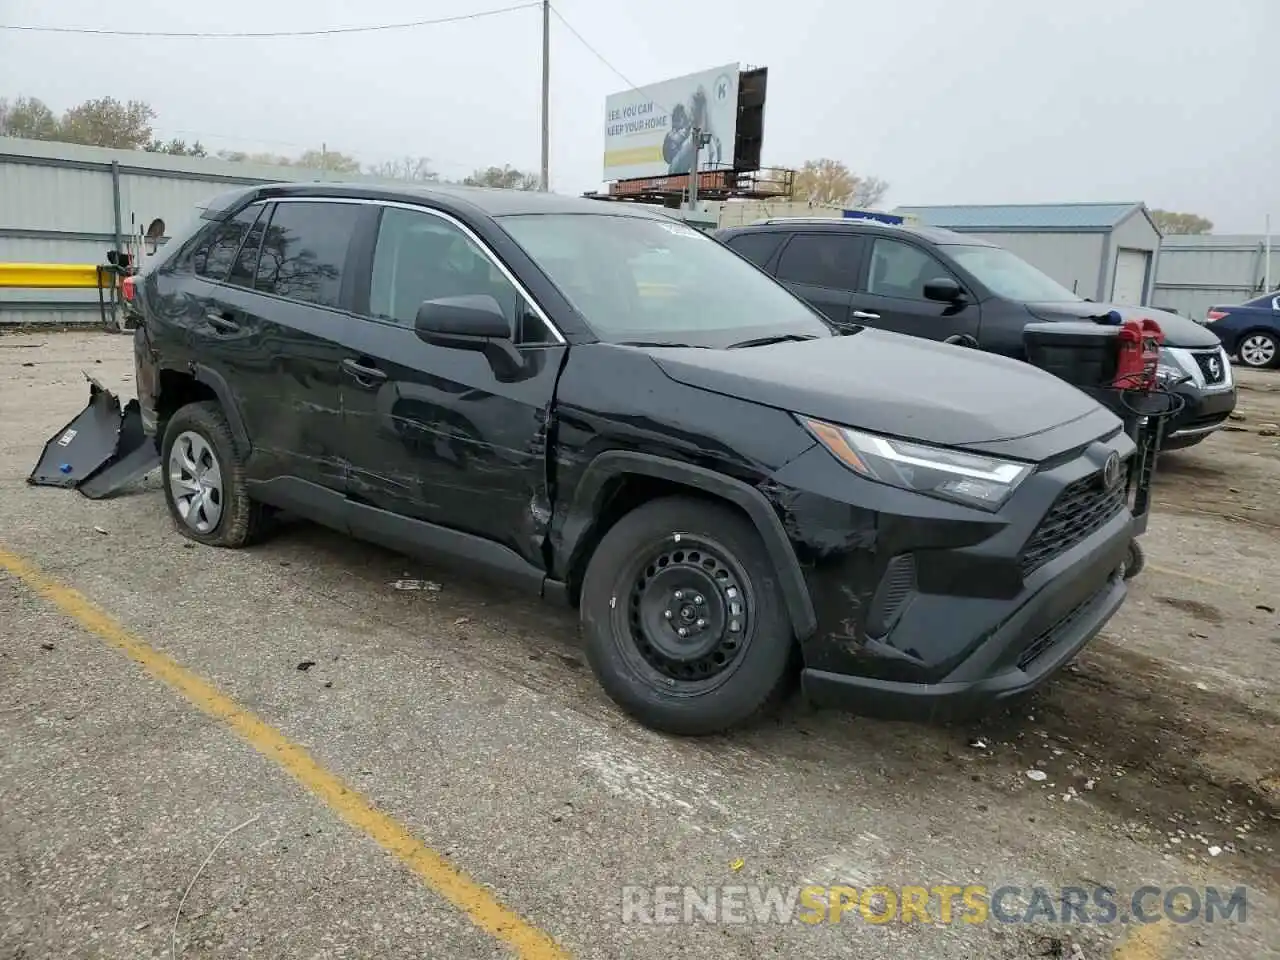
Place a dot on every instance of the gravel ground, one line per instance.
(467, 715)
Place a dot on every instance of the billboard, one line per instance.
(648, 130)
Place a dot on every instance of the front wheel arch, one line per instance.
(583, 530)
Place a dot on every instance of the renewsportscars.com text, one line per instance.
(943, 903)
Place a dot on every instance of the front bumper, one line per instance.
(1206, 406)
(1017, 658)
(976, 617)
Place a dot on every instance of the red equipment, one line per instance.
(1138, 355)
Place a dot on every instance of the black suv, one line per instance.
(953, 287)
(609, 407)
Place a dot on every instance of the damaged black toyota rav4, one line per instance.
(610, 408)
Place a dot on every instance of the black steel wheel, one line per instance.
(685, 625)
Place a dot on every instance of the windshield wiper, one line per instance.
(776, 338)
(659, 343)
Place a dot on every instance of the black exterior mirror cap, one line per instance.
(462, 321)
(943, 289)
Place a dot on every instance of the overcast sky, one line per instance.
(1172, 102)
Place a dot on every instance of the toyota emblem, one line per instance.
(1111, 471)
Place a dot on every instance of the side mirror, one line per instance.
(471, 323)
(944, 290)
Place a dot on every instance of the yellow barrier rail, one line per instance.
(59, 276)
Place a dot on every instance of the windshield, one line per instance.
(659, 281)
(1009, 276)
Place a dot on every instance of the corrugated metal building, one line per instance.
(64, 203)
(1197, 272)
(1103, 251)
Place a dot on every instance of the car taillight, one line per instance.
(127, 289)
(1213, 315)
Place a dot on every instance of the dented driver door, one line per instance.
(437, 434)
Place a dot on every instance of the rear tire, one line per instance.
(204, 484)
(675, 564)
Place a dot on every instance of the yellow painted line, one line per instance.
(1147, 942)
(438, 873)
(63, 276)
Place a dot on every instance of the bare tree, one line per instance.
(832, 182)
(332, 161)
(106, 122)
(1181, 223)
(28, 118)
(504, 178)
(417, 169)
(177, 148)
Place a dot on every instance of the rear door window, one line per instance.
(217, 248)
(822, 260)
(304, 251)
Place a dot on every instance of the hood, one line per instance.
(1178, 331)
(905, 387)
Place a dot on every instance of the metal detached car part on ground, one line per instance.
(724, 486)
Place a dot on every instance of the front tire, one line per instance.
(685, 623)
(204, 484)
(1136, 560)
(1259, 350)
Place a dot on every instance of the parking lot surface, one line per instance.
(329, 765)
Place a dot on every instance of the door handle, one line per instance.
(863, 315)
(364, 375)
(222, 322)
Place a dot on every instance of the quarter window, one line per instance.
(756, 247)
(214, 253)
(304, 251)
(247, 259)
(901, 270)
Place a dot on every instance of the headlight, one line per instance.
(1171, 368)
(967, 478)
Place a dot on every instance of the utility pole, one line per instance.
(700, 140)
(1266, 268)
(546, 95)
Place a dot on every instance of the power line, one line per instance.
(327, 32)
(598, 55)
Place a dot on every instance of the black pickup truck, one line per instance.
(727, 488)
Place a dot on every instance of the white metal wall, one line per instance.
(1198, 272)
(58, 204)
(1073, 259)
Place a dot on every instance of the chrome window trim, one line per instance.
(448, 218)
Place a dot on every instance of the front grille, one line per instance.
(1080, 510)
(1212, 367)
(1046, 638)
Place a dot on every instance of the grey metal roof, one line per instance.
(1024, 216)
